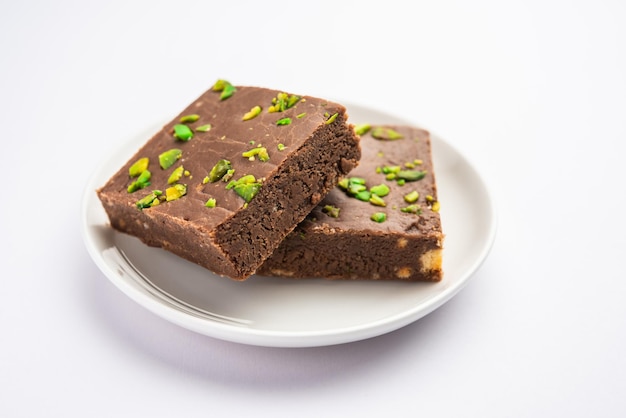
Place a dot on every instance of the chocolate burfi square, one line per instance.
(225, 181)
(381, 223)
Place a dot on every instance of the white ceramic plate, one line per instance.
(277, 312)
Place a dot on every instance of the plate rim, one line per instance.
(279, 338)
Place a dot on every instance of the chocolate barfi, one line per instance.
(381, 222)
(226, 180)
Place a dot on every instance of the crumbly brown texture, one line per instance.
(407, 246)
(233, 238)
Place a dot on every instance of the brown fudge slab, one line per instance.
(234, 238)
(407, 246)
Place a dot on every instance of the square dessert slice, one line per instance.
(225, 181)
(380, 223)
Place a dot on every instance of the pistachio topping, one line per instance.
(331, 211)
(169, 157)
(210, 203)
(363, 195)
(204, 128)
(377, 200)
(410, 175)
(225, 87)
(283, 121)
(381, 190)
(386, 134)
(379, 217)
(411, 197)
(282, 102)
(138, 167)
(150, 200)
(301, 115)
(182, 132)
(331, 119)
(142, 182)
(259, 151)
(189, 118)
(435, 206)
(362, 129)
(280, 147)
(176, 175)
(253, 113)
(416, 209)
(175, 192)
(219, 170)
(246, 187)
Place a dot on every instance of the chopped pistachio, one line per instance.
(362, 129)
(219, 170)
(260, 152)
(331, 119)
(391, 169)
(247, 191)
(381, 190)
(354, 188)
(409, 165)
(386, 134)
(377, 200)
(412, 209)
(247, 179)
(418, 162)
(378, 170)
(401, 182)
(429, 198)
(182, 132)
(176, 175)
(187, 173)
(205, 180)
(378, 217)
(228, 175)
(280, 147)
(331, 211)
(435, 207)
(357, 180)
(411, 175)
(301, 115)
(150, 200)
(189, 118)
(283, 121)
(169, 157)
(344, 183)
(411, 197)
(219, 85)
(390, 176)
(138, 167)
(142, 181)
(210, 203)
(204, 128)
(363, 195)
(282, 102)
(175, 192)
(253, 113)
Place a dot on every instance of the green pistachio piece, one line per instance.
(331, 211)
(301, 115)
(418, 162)
(401, 182)
(204, 128)
(210, 203)
(378, 217)
(247, 179)
(205, 180)
(138, 167)
(228, 91)
(176, 175)
(175, 192)
(253, 113)
(150, 200)
(377, 200)
(219, 170)
(362, 129)
(169, 157)
(410, 175)
(331, 119)
(280, 147)
(283, 121)
(357, 180)
(219, 85)
(355, 188)
(364, 195)
(435, 207)
(416, 209)
(282, 102)
(189, 118)
(247, 190)
(182, 132)
(142, 182)
(429, 198)
(411, 197)
(391, 169)
(386, 134)
(260, 152)
(381, 190)
(228, 175)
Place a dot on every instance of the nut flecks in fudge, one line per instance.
(227, 183)
(381, 222)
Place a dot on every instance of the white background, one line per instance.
(532, 92)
